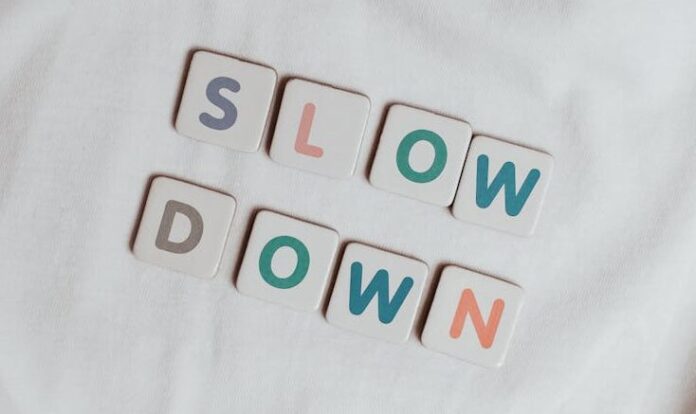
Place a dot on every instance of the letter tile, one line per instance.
(226, 101)
(472, 317)
(184, 227)
(503, 186)
(287, 261)
(420, 155)
(377, 293)
(320, 128)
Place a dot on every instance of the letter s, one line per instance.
(214, 96)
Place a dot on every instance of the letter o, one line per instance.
(266, 258)
(404, 150)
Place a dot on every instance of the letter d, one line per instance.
(170, 210)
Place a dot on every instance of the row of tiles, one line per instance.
(287, 261)
(320, 129)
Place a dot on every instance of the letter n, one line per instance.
(484, 330)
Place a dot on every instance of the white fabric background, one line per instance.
(88, 91)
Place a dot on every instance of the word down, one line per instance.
(288, 261)
(320, 129)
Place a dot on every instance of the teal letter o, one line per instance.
(266, 258)
(404, 151)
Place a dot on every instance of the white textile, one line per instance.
(88, 92)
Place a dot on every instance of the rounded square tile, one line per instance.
(377, 293)
(184, 227)
(472, 317)
(320, 128)
(420, 155)
(287, 261)
(503, 186)
(226, 101)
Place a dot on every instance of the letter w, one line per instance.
(514, 202)
(379, 285)
(484, 330)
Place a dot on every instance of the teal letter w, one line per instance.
(485, 194)
(379, 286)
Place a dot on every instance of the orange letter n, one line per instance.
(468, 306)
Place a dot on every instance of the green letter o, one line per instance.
(404, 151)
(266, 258)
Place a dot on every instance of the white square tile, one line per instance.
(377, 293)
(320, 128)
(503, 186)
(420, 155)
(226, 101)
(184, 227)
(287, 261)
(472, 317)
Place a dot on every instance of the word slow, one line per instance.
(320, 129)
(288, 261)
